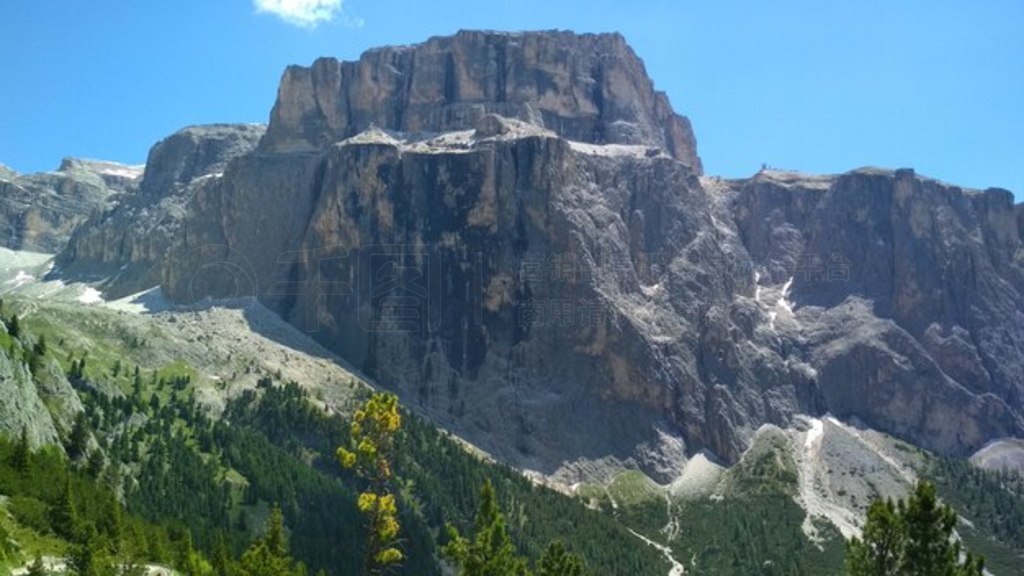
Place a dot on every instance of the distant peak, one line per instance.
(101, 167)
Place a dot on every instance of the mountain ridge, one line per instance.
(689, 310)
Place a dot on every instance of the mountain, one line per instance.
(125, 244)
(179, 430)
(513, 231)
(38, 212)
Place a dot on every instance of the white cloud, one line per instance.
(308, 13)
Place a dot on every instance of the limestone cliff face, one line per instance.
(906, 295)
(589, 88)
(21, 406)
(38, 212)
(43, 403)
(512, 231)
(540, 332)
(126, 245)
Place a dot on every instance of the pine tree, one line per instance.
(187, 560)
(928, 525)
(88, 558)
(111, 524)
(79, 437)
(490, 552)
(268, 556)
(64, 518)
(370, 453)
(22, 451)
(137, 384)
(557, 561)
(882, 546)
(40, 347)
(14, 327)
(221, 556)
(913, 538)
(275, 538)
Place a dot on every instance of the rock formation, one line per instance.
(39, 401)
(589, 88)
(513, 232)
(906, 296)
(126, 244)
(38, 212)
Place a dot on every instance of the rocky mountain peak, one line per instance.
(588, 88)
(581, 295)
(196, 151)
(39, 211)
(125, 243)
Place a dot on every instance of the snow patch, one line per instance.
(90, 295)
(130, 172)
(148, 301)
(21, 279)
(615, 150)
(784, 300)
(652, 290)
(210, 176)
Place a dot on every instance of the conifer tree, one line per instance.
(22, 451)
(557, 561)
(882, 545)
(188, 561)
(64, 518)
(14, 327)
(137, 385)
(268, 556)
(490, 552)
(88, 558)
(79, 437)
(221, 556)
(912, 538)
(370, 453)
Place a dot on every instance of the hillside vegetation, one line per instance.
(191, 485)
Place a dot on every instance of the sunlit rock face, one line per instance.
(126, 244)
(39, 212)
(513, 232)
(588, 88)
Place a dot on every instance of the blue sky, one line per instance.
(812, 85)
